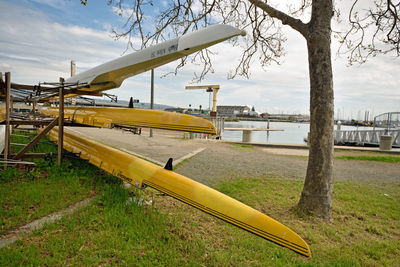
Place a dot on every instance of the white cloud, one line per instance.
(41, 49)
(36, 48)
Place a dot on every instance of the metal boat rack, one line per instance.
(32, 94)
(42, 92)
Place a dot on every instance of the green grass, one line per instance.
(366, 226)
(393, 159)
(371, 157)
(365, 230)
(28, 194)
(48, 188)
(23, 137)
(112, 230)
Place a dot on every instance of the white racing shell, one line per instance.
(111, 74)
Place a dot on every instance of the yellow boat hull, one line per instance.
(140, 173)
(2, 112)
(108, 117)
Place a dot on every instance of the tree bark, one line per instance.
(316, 197)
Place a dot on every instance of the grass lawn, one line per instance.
(393, 159)
(27, 195)
(115, 231)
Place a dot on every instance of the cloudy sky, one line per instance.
(39, 38)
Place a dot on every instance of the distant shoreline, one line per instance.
(260, 119)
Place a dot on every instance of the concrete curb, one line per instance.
(143, 157)
(291, 146)
(188, 156)
(15, 235)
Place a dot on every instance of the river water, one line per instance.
(293, 133)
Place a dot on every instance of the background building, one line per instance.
(232, 111)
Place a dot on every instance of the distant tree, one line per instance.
(253, 109)
(373, 29)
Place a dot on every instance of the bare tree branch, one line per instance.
(296, 24)
(372, 31)
(179, 17)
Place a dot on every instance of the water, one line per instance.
(293, 133)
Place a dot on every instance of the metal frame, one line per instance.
(32, 94)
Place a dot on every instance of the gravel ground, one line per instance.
(223, 161)
(159, 148)
(220, 161)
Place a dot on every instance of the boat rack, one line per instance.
(43, 91)
(33, 94)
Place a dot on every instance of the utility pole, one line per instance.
(73, 68)
(60, 121)
(7, 132)
(152, 96)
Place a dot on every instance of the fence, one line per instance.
(365, 137)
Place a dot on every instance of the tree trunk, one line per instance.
(316, 197)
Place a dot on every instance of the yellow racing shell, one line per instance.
(108, 117)
(141, 173)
